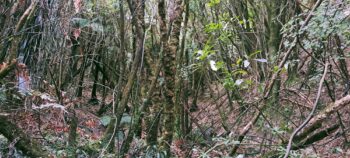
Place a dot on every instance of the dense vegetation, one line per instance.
(174, 78)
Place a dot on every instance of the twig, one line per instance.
(311, 113)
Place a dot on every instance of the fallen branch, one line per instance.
(317, 121)
(311, 138)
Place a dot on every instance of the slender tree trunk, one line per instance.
(72, 138)
(95, 74)
(179, 108)
(80, 87)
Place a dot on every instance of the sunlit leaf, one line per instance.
(242, 72)
(239, 61)
(275, 69)
(213, 3)
(255, 53)
(220, 64)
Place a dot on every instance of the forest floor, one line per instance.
(215, 123)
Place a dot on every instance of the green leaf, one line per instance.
(239, 61)
(243, 72)
(254, 54)
(213, 3)
(220, 64)
(248, 82)
(211, 27)
(275, 69)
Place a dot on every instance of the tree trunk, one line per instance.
(169, 65)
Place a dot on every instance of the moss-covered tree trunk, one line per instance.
(152, 106)
(175, 10)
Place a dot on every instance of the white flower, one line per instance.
(246, 63)
(286, 65)
(238, 82)
(213, 65)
